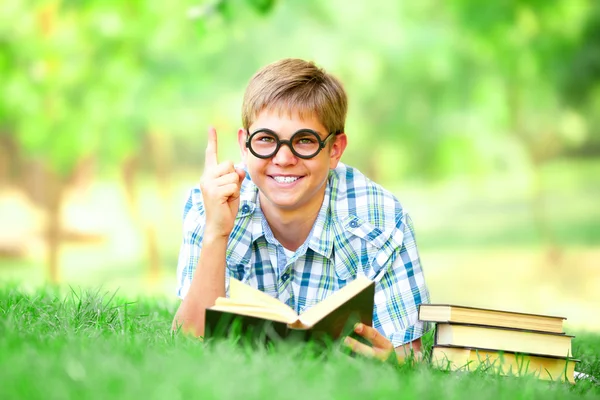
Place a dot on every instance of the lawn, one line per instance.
(83, 344)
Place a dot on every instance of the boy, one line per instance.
(295, 222)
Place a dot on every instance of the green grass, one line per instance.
(95, 345)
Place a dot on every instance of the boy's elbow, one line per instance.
(182, 322)
(177, 323)
(410, 350)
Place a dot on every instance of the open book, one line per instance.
(253, 313)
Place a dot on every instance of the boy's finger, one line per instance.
(358, 347)
(210, 159)
(226, 179)
(373, 336)
(241, 173)
(363, 349)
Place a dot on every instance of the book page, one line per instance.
(257, 312)
(256, 307)
(242, 293)
(334, 301)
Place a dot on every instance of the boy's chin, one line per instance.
(287, 204)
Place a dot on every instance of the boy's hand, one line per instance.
(381, 348)
(220, 185)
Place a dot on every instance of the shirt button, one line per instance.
(353, 224)
(285, 277)
(245, 208)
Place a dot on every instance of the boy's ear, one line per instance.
(242, 143)
(337, 149)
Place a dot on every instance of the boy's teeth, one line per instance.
(285, 179)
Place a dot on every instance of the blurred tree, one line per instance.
(437, 90)
(580, 83)
(99, 82)
(527, 44)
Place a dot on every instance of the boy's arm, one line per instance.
(220, 185)
(410, 349)
(206, 286)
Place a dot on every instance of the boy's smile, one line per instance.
(290, 185)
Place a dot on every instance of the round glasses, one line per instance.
(305, 143)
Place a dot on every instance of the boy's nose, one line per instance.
(284, 156)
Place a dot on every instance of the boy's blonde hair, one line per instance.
(292, 85)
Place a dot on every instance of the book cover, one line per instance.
(481, 316)
(459, 358)
(505, 339)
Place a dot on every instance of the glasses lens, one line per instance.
(263, 143)
(306, 143)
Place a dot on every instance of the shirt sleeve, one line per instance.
(400, 289)
(189, 252)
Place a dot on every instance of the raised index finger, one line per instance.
(210, 159)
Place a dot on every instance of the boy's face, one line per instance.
(287, 182)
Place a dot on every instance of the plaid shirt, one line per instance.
(360, 229)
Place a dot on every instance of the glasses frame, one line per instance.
(288, 143)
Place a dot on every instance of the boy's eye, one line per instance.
(306, 140)
(266, 139)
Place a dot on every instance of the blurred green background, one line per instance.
(482, 117)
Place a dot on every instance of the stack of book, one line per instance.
(504, 342)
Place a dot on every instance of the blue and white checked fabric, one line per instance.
(361, 229)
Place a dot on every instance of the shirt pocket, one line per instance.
(237, 271)
(361, 248)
